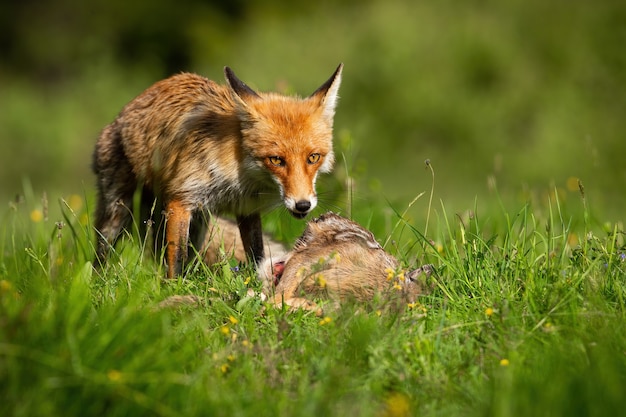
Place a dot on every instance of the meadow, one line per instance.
(518, 109)
(526, 317)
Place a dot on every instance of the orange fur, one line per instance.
(200, 148)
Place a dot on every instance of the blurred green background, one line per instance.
(527, 95)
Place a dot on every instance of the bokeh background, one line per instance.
(521, 96)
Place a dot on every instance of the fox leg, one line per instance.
(116, 186)
(176, 236)
(251, 235)
(113, 214)
(198, 230)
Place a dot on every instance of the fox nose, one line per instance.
(299, 209)
(303, 206)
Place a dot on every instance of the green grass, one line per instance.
(526, 318)
(489, 91)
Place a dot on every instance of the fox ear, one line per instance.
(239, 87)
(327, 93)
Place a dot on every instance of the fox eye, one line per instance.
(277, 161)
(314, 158)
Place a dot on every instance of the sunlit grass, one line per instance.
(523, 320)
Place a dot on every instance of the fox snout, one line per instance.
(297, 186)
(299, 208)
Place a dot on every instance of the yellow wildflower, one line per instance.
(36, 216)
(5, 285)
(489, 311)
(225, 330)
(300, 272)
(321, 281)
(75, 202)
(504, 362)
(572, 184)
(390, 273)
(325, 320)
(572, 239)
(114, 375)
(397, 405)
(548, 327)
(233, 320)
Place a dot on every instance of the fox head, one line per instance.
(288, 137)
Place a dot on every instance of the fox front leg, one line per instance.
(251, 235)
(176, 236)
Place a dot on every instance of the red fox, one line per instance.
(201, 147)
(337, 259)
